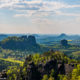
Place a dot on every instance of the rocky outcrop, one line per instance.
(61, 69)
(36, 72)
(20, 43)
(3, 75)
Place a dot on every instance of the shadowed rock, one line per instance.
(52, 64)
(32, 72)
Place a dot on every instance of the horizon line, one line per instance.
(42, 33)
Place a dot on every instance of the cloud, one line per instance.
(67, 14)
(37, 8)
(42, 21)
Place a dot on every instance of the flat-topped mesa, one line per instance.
(22, 43)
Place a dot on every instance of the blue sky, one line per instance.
(40, 16)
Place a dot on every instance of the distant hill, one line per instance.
(46, 39)
(62, 36)
(20, 43)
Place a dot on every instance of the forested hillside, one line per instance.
(48, 66)
(22, 43)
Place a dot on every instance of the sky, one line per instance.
(40, 16)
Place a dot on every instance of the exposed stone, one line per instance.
(61, 69)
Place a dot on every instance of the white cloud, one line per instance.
(67, 14)
(37, 7)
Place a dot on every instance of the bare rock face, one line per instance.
(65, 68)
(61, 69)
(69, 68)
(3, 75)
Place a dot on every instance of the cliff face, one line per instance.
(22, 43)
